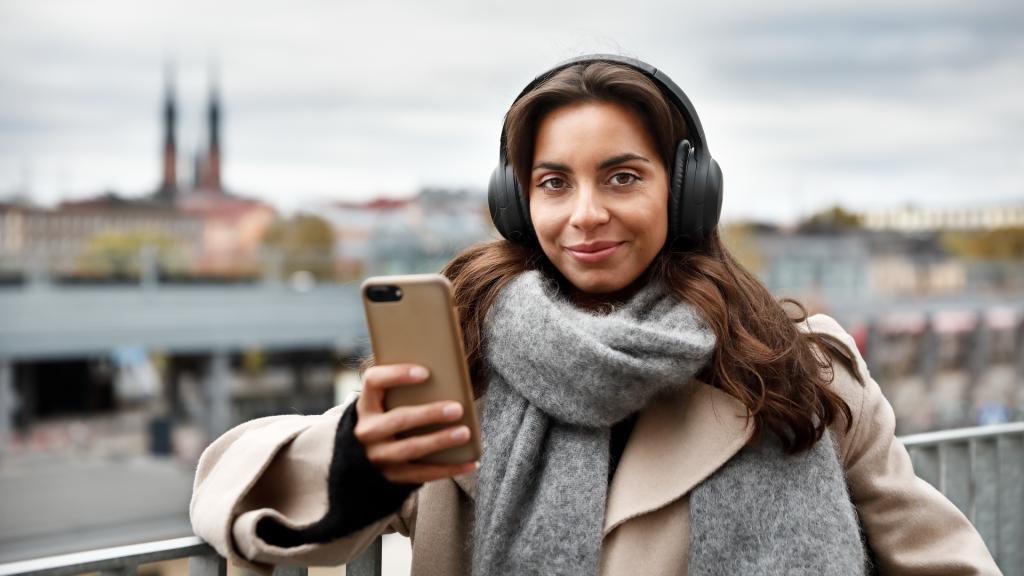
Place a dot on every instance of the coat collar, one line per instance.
(678, 440)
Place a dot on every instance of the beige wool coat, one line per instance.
(277, 466)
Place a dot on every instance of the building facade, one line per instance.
(209, 229)
(409, 235)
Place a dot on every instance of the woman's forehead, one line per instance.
(592, 130)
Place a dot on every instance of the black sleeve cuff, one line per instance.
(358, 494)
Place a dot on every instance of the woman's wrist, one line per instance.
(358, 494)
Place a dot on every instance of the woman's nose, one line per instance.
(588, 210)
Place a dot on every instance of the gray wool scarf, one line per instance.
(560, 377)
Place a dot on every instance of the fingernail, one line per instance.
(460, 433)
(452, 410)
(419, 372)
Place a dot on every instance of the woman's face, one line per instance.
(598, 195)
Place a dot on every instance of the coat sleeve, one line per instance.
(909, 525)
(276, 469)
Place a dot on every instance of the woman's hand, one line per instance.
(376, 428)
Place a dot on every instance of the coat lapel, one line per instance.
(678, 441)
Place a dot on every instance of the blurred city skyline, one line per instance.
(869, 105)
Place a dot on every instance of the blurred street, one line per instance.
(52, 506)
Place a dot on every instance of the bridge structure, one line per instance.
(40, 322)
(44, 320)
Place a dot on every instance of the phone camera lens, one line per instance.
(385, 293)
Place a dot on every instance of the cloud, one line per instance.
(869, 102)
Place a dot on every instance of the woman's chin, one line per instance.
(598, 283)
(607, 285)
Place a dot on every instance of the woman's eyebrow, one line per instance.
(620, 159)
(605, 164)
(553, 166)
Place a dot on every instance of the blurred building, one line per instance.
(817, 269)
(841, 266)
(212, 230)
(410, 235)
(911, 218)
(60, 240)
(232, 231)
(904, 264)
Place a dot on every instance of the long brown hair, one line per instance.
(761, 358)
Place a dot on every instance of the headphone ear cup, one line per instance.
(695, 201)
(509, 210)
(712, 196)
(680, 190)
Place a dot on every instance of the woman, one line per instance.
(648, 407)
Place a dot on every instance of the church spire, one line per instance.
(169, 186)
(211, 167)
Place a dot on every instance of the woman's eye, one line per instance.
(624, 178)
(553, 184)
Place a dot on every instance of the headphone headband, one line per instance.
(664, 83)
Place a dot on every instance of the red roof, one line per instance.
(377, 204)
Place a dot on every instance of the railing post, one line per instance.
(985, 487)
(369, 562)
(955, 467)
(217, 388)
(172, 388)
(1011, 505)
(926, 464)
(6, 404)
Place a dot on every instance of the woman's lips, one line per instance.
(594, 251)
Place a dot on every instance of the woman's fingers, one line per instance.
(377, 379)
(377, 427)
(408, 449)
(422, 473)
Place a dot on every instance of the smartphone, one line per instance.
(412, 319)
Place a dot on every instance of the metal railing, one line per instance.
(203, 560)
(981, 470)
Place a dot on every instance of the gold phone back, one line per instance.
(422, 328)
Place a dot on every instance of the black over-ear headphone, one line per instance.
(695, 188)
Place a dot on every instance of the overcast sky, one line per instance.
(871, 103)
